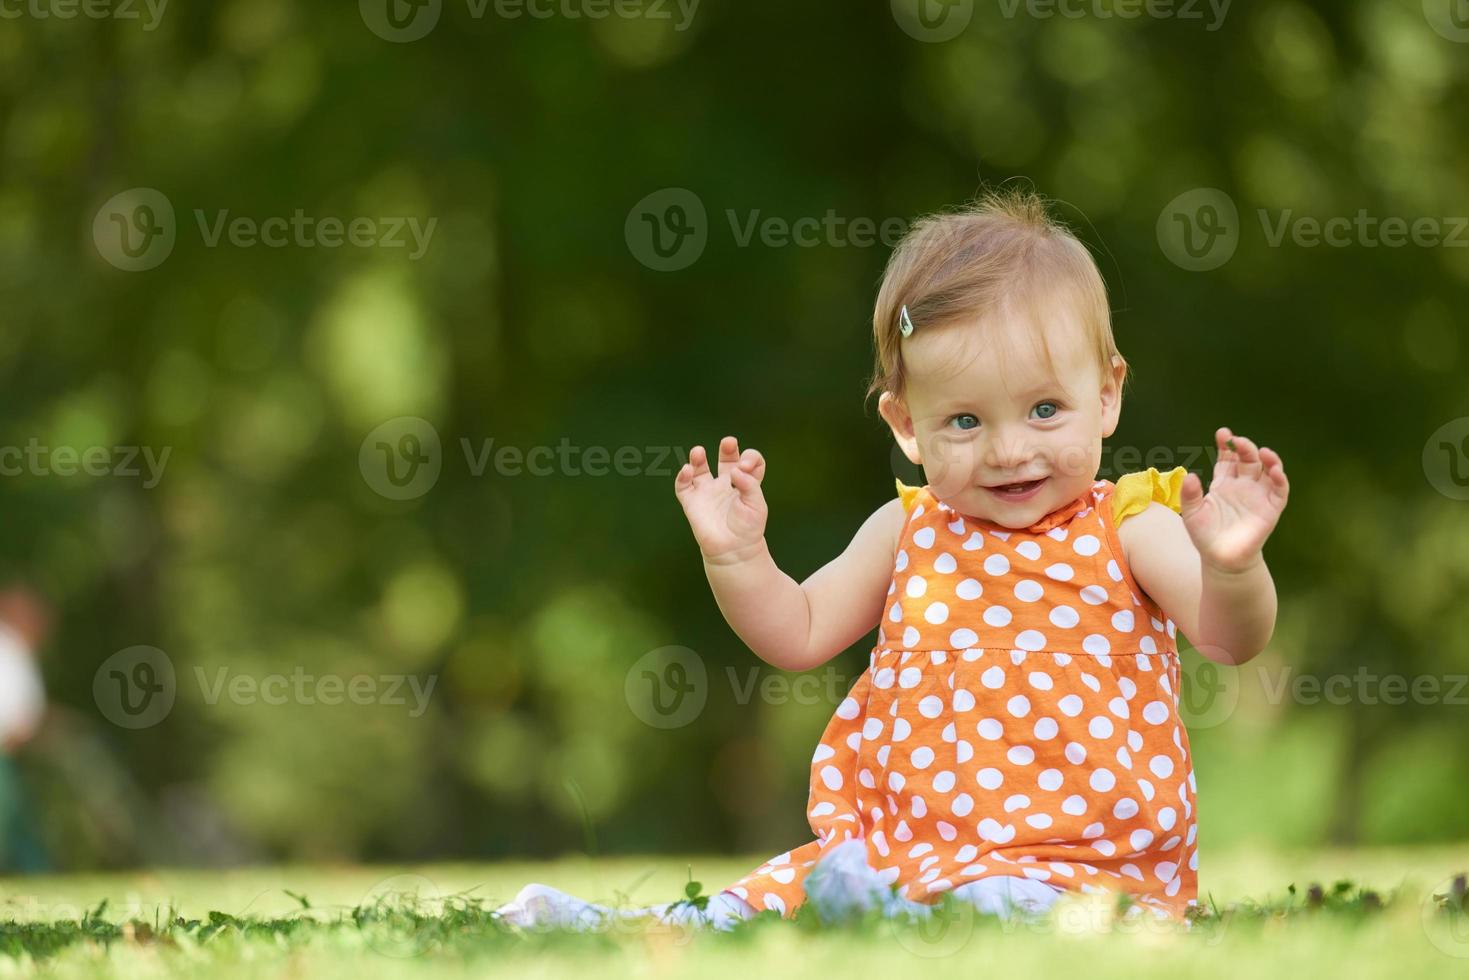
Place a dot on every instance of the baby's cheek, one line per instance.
(950, 467)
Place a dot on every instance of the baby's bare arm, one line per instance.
(800, 626)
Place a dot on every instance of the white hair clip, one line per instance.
(905, 322)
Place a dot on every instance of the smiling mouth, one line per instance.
(1016, 490)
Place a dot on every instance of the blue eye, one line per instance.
(1053, 406)
(960, 418)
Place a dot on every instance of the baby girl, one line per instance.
(1016, 734)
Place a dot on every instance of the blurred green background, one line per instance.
(542, 156)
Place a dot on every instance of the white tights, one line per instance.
(840, 885)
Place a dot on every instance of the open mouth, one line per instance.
(1017, 491)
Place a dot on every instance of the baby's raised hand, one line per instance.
(726, 512)
(1248, 491)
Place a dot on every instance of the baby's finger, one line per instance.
(1249, 456)
(699, 460)
(1224, 463)
(729, 454)
(753, 463)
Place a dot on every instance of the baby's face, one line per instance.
(976, 426)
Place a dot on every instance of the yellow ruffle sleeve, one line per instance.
(907, 494)
(1134, 491)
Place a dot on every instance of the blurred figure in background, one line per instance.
(25, 621)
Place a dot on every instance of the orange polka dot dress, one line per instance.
(1019, 716)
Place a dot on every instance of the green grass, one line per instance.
(1371, 913)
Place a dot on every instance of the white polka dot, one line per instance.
(1125, 808)
(936, 613)
(962, 804)
(944, 564)
(989, 778)
(1095, 643)
(1019, 706)
(1086, 545)
(968, 589)
(975, 542)
(1021, 755)
(943, 781)
(1065, 617)
(1118, 707)
(871, 728)
(1039, 680)
(997, 564)
(1155, 712)
(1070, 705)
(990, 729)
(883, 679)
(1073, 805)
(1094, 595)
(1141, 838)
(1028, 549)
(997, 616)
(1030, 640)
(1161, 766)
(1046, 729)
(902, 560)
(931, 706)
(1028, 590)
(1122, 620)
(923, 537)
(1102, 780)
(901, 729)
(917, 585)
(909, 677)
(963, 701)
(1113, 570)
(831, 776)
(896, 613)
(910, 637)
(1040, 821)
(848, 709)
(1049, 780)
(1147, 645)
(1060, 571)
(993, 678)
(922, 757)
(1166, 817)
(961, 638)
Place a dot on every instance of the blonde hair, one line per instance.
(1001, 251)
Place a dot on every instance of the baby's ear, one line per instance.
(1112, 395)
(895, 413)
